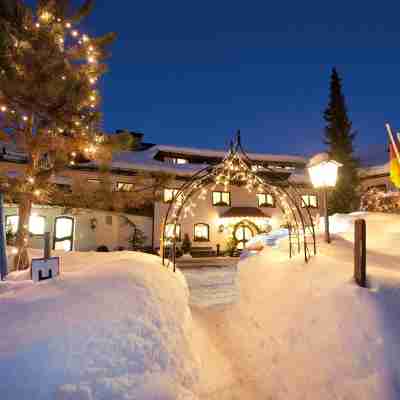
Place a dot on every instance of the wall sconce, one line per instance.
(93, 224)
(221, 228)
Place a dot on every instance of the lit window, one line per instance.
(176, 160)
(265, 200)
(172, 230)
(169, 195)
(64, 233)
(124, 187)
(221, 199)
(37, 224)
(94, 181)
(12, 223)
(181, 161)
(201, 233)
(309, 200)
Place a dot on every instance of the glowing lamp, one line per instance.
(323, 171)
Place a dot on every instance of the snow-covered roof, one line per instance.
(145, 160)
(221, 153)
(375, 170)
(10, 152)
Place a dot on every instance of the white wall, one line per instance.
(206, 213)
(111, 235)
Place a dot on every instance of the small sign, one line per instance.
(43, 269)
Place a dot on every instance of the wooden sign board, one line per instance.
(43, 269)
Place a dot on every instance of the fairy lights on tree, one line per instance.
(49, 101)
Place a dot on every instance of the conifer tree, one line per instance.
(339, 136)
(49, 104)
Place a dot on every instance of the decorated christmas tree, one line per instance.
(49, 101)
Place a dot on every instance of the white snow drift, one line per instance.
(114, 326)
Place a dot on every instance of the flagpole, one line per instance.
(396, 150)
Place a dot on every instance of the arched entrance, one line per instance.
(243, 232)
(238, 169)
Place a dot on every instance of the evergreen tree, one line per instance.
(49, 104)
(339, 137)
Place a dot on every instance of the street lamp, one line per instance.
(323, 172)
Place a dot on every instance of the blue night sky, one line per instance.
(192, 73)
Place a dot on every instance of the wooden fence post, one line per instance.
(360, 252)
(3, 243)
(47, 249)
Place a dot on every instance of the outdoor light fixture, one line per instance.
(323, 173)
(93, 224)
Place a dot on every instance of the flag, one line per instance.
(394, 158)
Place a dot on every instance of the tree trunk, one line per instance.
(21, 260)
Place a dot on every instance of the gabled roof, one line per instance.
(244, 212)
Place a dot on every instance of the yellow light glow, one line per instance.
(45, 16)
(324, 174)
(37, 224)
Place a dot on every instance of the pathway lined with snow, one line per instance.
(212, 286)
(306, 331)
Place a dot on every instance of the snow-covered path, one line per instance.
(306, 331)
(212, 286)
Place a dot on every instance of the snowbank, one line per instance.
(306, 331)
(114, 326)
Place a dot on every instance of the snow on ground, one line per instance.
(306, 331)
(117, 326)
(113, 326)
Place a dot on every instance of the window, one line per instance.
(222, 199)
(201, 233)
(37, 224)
(309, 200)
(12, 223)
(124, 187)
(64, 233)
(382, 188)
(169, 195)
(64, 188)
(265, 200)
(94, 181)
(169, 232)
(176, 160)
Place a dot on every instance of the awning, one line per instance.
(244, 212)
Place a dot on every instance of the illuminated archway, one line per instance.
(237, 169)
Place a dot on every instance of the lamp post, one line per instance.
(323, 172)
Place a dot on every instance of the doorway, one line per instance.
(64, 233)
(242, 234)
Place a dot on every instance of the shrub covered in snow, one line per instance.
(376, 200)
